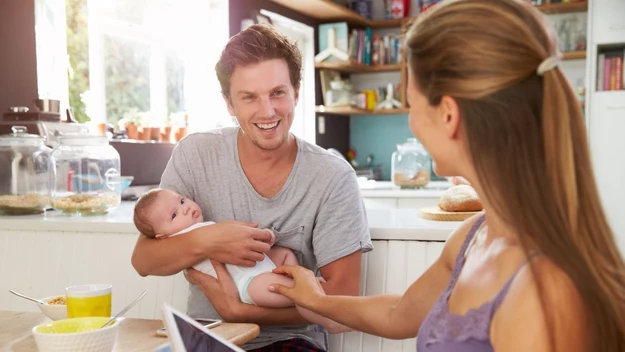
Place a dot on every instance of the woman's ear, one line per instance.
(451, 116)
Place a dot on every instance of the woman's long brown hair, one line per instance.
(528, 144)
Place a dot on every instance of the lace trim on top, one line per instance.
(474, 324)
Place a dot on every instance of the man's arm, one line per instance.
(232, 242)
(235, 243)
(340, 235)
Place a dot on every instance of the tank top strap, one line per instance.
(504, 290)
(461, 255)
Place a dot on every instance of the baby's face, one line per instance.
(172, 213)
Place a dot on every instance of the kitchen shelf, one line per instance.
(357, 67)
(564, 7)
(574, 55)
(356, 111)
(328, 11)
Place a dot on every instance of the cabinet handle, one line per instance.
(615, 107)
(616, 28)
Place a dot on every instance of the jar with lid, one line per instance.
(411, 165)
(85, 175)
(24, 173)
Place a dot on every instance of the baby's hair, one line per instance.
(141, 212)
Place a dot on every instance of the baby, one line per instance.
(162, 213)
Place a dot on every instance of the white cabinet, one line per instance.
(606, 128)
(391, 268)
(608, 21)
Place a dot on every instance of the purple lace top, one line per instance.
(442, 331)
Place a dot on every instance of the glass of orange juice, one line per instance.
(89, 300)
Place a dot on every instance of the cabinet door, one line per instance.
(608, 21)
(607, 123)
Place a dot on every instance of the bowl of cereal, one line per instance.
(55, 307)
(76, 335)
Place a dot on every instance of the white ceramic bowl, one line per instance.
(76, 334)
(53, 311)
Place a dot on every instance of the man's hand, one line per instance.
(237, 243)
(220, 291)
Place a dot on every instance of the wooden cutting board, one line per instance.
(436, 213)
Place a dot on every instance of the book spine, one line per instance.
(600, 72)
(607, 67)
(618, 82)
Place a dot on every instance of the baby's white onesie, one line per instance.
(242, 276)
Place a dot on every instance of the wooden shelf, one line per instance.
(328, 11)
(564, 7)
(356, 111)
(357, 67)
(574, 55)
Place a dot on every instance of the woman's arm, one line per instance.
(390, 316)
(230, 242)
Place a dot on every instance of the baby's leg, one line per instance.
(259, 293)
(282, 256)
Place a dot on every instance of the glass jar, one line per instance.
(24, 173)
(411, 165)
(85, 175)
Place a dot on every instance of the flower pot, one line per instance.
(166, 134)
(132, 131)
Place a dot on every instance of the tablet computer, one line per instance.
(185, 334)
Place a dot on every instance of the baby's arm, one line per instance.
(282, 256)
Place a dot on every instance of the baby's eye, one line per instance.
(173, 216)
(182, 201)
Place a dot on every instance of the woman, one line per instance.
(540, 271)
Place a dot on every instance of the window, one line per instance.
(147, 60)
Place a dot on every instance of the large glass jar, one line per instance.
(24, 173)
(85, 175)
(411, 165)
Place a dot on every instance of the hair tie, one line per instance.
(549, 63)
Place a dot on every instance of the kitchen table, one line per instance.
(134, 335)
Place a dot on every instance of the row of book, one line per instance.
(374, 49)
(610, 73)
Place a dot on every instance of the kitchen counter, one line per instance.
(386, 189)
(385, 224)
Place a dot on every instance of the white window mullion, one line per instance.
(158, 85)
(96, 100)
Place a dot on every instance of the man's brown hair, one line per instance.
(141, 212)
(257, 43)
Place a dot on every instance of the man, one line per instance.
(262, 176)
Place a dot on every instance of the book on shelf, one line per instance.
(610, 73)
(374, 50)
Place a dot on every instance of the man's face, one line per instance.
(262, 99)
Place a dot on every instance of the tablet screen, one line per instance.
(195, 339)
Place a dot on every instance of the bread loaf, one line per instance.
(460, 198)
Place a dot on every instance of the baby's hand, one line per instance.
(273, 237)
(321, 280)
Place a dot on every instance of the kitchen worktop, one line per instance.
(386, 189)
(385, 224)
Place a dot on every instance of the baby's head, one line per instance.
(160, 213)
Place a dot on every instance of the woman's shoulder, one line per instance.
(540, 293)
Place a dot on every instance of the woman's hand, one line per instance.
(220, 291)
(306, 290)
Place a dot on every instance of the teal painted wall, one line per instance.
(378, 135)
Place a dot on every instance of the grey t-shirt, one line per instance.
(319, 213)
